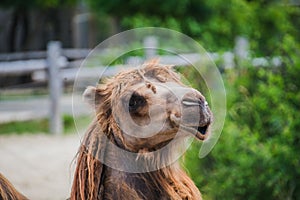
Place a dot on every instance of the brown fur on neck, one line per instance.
(94, 180)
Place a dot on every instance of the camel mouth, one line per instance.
(202, 129)
(199, 132)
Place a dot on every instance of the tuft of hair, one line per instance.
(8, 191)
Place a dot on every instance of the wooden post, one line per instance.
(241, 48)
(228, 60)
(81, 30)
(55, 87)
(150, 46)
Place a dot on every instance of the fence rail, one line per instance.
(69, 53)
(57, 64)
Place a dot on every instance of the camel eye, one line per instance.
(136, 101)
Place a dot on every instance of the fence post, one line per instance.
(150, 46)
(241, 48)
(55, 87)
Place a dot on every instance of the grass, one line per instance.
(32, 126)
(42, 126)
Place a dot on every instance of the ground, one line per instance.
(40, 166)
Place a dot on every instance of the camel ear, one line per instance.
(92, 96)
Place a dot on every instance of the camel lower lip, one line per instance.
(195, 131)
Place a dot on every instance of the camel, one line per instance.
(142, 117)
(130, 150)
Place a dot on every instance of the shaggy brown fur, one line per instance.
(94, 179)
(7, 190)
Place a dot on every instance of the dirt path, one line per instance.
(40, 166)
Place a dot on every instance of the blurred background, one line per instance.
(255, 44)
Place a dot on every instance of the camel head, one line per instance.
(146, 108)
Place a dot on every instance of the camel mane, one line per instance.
(93, 179)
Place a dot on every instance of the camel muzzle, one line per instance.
(196, 115)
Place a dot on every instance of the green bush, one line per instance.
(257, 155)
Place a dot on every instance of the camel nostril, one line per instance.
(196, 102)
(191, 99)
(190, 102)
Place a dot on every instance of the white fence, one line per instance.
(57, 64)
(50, 63)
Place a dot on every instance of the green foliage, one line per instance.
(214, 23)
(257, 156)
(34, 126)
